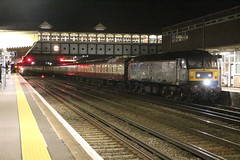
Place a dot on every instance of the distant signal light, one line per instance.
(61, 59)
(42, 76)
(29, 59)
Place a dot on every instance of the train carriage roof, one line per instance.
(172, 55)
(94, 59)
(102, 59)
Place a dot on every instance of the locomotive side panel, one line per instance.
(164, 72)
(156, 72)
(138, 71)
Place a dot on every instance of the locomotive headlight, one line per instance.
(209, 75)
(206, 82)
(198, 75)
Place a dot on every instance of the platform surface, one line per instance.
(26, 133)
(231, 89)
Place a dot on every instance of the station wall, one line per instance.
(94, 48)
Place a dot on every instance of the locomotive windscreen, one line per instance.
(207, 62)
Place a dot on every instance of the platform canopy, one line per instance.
(17, 39)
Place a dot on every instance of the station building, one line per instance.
(48, 44)
(218, 33)
(94, 43)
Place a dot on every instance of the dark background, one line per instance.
(120, 16)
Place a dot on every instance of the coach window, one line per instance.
(120, 69)
(152, 39)
(82, 37)
(92, 37)
(73, 37)
(118, 38)
(64, 37)
(101, 38)
(144, 38)
(55, 36)
(135, 38)
(127, 38)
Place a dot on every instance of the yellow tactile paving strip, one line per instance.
(33, 143)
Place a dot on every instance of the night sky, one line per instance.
(120, 16)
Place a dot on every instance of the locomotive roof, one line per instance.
(172, 55)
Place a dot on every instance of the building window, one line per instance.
(92, 37)
(101, 38)
(55, 36)
(127, 38)
(118, 38)
(178, 37)
(45, 36)
(109, 38)
(64, 37)
(73, 37)
(135, 38)
(144, 38)
(237, 59)
(82, 37)
(152, 39)
(237, 68)
(159, 38)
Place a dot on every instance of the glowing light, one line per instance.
(206, 82)
(42, 76)
(61, 59)
(66, 60)
(29, 59)
(209, 75)
(12, 39)
(198, 75)
(56, 48)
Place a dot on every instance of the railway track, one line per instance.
(184, 135)
(103, 139)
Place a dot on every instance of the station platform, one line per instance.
(231, 89)
(230, 96)
(32, 130)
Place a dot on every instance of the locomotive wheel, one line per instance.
(179, 95)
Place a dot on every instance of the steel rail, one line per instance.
(143, 145)
(188, 147)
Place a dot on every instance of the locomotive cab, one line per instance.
(204, 76)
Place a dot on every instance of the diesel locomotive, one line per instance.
(181, 75)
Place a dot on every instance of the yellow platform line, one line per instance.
(33, 143)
